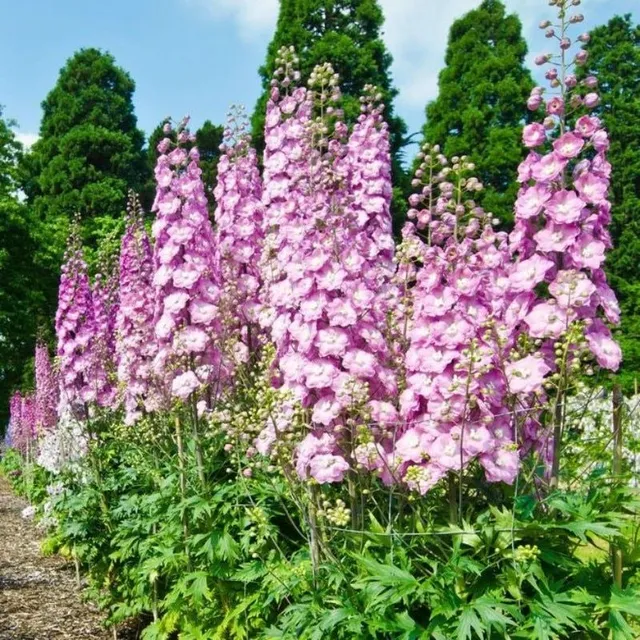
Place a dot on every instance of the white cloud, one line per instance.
(26, 138)
(253, 17)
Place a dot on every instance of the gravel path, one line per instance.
(39, 598)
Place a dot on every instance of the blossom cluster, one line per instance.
(330, 279)
(406, 363)
(187, 281)
(82, 373)
(135, 346)
(239, 218)
(460, 332)
(562, 213)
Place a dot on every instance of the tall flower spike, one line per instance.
(331, 256)
(239, 220)
(104, 339)
(135, 342)
(15, 422)
(454, 399)
(80, 384)
(187, 280)
(562, 214)
(46, 391)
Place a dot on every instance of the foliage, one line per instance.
(88, 154)
(614, 60)
(480, 105)
(21, 295)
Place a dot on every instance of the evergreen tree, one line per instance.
(481, 104)
(21, 297)
(88, 154)
(614, 59)
(346, 33)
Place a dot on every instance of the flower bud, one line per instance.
(565, 43)
(544, 24)
(534, 102)
(570, 81)
(584, 37)
(550, 32)
(581, 57)
(591, 100)
(591, 82)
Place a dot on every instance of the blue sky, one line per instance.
(201, 56)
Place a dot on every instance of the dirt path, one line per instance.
(39, 599)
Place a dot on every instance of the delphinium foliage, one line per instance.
(326, 435)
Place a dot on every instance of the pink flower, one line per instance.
(600, 141)
(569, 145)
(556, 237)
(360, 363)
(332, 342)
(320, 374)
(603, 346)
(502, 466)
(555, 106)
(546, 321)
(383, 412)
(588, 252)
(549, 167)
(326, 410)
(533, 135)
(586, 126)
(327, 467)
(592, 188)
(565, 207)
(192, 339)
(446, 452)
(184, 385)
(528, 273)
(572, 288)
(526, 375)
(531, 202)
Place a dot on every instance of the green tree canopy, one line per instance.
(481, 103)
(21, 296)
(348, 34)
(614, 58)
(88, 154)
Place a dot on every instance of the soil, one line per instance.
(39, 596)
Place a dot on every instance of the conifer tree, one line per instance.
(20, 280)
(480, 108)
(614, 60)
(88, 154)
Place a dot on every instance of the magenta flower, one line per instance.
(527, 374)
(533, 135)
(565, 207)
(187, 279)
(46, 395)
(569, 145)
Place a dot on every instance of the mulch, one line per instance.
(39, 596)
